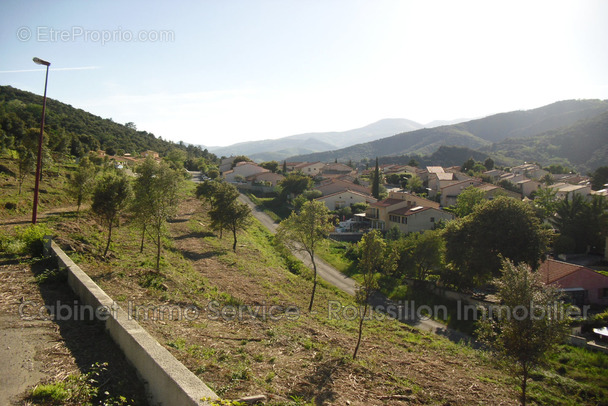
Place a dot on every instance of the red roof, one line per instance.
(387, 202)
(552, 270)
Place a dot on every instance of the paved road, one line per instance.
(348, 285)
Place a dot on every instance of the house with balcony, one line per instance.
(379, 212)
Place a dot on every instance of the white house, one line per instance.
(346, 198)
(310, 168)
(244, 169)
(416, 219)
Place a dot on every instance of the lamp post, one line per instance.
(39, 163)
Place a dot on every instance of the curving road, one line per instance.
(348, 285)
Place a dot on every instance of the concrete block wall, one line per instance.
(168, 382)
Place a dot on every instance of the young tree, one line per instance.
(237, 218)
(83, 181)
(26, 163)
(373, 260)
(531, 323)
(306, 231)
(156, 200)
(226, 211)
(376, 181)
(110, 197)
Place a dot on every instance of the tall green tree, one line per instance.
(545, 202)
(420, 254)
(581, 225)
(530, 324)
(83, 181)
(373, 260)
(110, 198)
(293, 185)
(376, 181)
(599, 178)
(466, 201)
(156, 200)
(501, 228)
(307, 231)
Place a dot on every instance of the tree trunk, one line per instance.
(111, 222)
(524, 384)
(158, 246)
(314, 283)
(234, 235)
(143, 235)
(362, 316)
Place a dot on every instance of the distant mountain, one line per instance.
(474, 134)
(298, 144)
(583, 145)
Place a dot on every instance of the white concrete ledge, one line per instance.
(168, 382)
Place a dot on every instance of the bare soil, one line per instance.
(35, 349)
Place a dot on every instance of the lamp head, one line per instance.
(41, 62)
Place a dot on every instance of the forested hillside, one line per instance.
(475, 134)
(74, 131)
(583, 145)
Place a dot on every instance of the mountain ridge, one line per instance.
(474, 134)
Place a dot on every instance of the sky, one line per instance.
(215, 73)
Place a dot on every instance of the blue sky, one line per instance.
(220, 72)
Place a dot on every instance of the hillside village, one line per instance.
(434, 246)
(342, 186)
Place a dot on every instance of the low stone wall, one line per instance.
(168, 382)
(582, 342)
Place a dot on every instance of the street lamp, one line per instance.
(39, 163)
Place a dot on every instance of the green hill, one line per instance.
(475, 134)
(74, 131)
(583, 145)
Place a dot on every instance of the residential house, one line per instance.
(583, 285)
(310, 168)
(379, 213)
(492, 191)
(346, 198)
(416, 219)
(332, 186)
(291, 166)
(527, 186)
(529, 171)
(565, 189)
(226, 164)
(265, 178)
(494, 174)
(244, 170)
(337, 169)
(151, 153)
(450, 192)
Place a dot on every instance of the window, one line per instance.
(404, 220)
(605, 292)
(432, 219)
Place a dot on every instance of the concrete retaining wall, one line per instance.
(168, 382)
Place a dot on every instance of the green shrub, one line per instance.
(33, 238)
